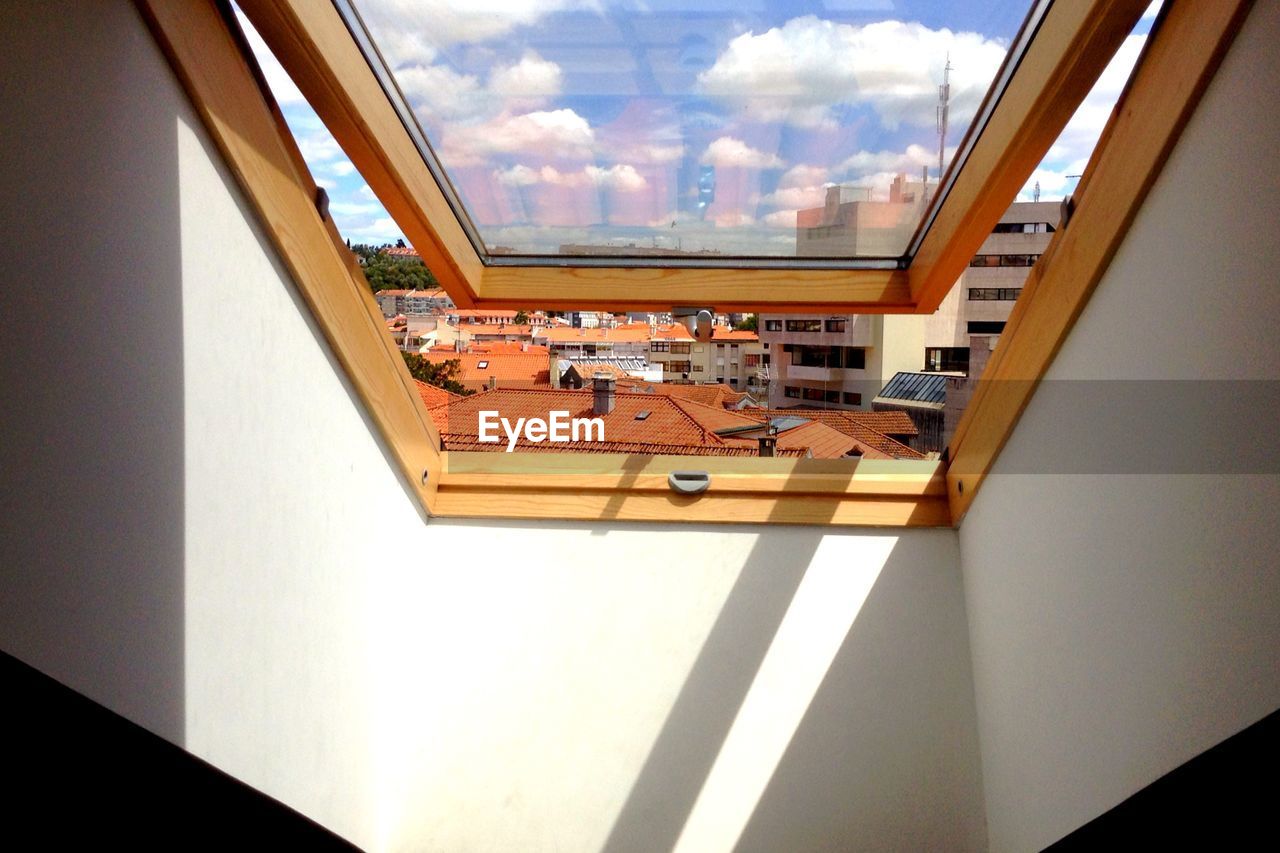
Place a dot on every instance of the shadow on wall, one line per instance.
(91, 324)
(830, 707)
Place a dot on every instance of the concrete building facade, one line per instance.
(842, 361)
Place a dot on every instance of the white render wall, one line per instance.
(210, 539)
(1123, 623)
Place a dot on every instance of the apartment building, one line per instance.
(412, 302)
(739, 359)
(844, 360)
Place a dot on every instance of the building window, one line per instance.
(993, 294)
(1022, 228)
(791, 391)
(852, 399)
(753, 359)
(814, 394)
(835, 324)
(697, 368)
(951, 359)
(659, 346)
(773, 325)
(804, 325)
(853, 358)
(986, 327)
(677, 367)
(680, 347)
(1003, 260)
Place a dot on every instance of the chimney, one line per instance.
(768, 442)
(602, 384)
(493, 383)
(457, 344)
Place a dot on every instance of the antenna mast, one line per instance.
(944, 101)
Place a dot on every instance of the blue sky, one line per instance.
(586, 120)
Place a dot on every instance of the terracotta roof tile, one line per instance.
(671, 425)
(712, 394)
(519, 369)
(433, 396)
(727, 335)
(848, 422)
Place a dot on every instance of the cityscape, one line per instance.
(808, 385)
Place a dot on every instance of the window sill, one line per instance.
(618, 487)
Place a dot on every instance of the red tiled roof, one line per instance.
(509, 346)
(494, 314)
(889, 423)
(433, 396)
(587, 371)
(455, 442)
(665, 424)
(568, 335)
(712, 394)
(727, 335)
(851, 424)
(672, 332)
(672, 425)
(519, 369)
(400, 252)
(496, 329)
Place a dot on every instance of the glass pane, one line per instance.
(692, 127)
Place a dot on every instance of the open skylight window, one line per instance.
(697, 130)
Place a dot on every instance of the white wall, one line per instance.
(209, 538)
(1123, 622)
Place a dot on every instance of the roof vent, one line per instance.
(642, 415)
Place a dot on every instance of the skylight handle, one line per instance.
(689, 482)
(697, 320)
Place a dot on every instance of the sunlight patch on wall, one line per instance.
(819, 618)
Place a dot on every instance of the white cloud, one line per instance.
(458, 21)
(732, 219)
(796, 198)
(649, 152)
(554, 134)
(803, 176)
(380, 230)
(439, 93)
(780, 219)
(620, 177)
(318, 147)
(909, 161)
(800, 72)
(354, 208)
(623, 178)
(531, 77)
(728, 152)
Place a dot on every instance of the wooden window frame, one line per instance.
(213, 63)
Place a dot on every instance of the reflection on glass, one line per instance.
(707, 127)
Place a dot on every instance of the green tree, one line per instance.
(384, 272)
(750, 323)
(443, 375)
(521, 318)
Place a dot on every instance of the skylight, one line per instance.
(689, 128)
